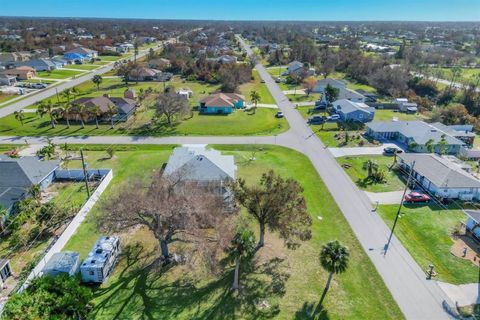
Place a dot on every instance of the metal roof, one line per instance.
(62, 262)
(100, 252)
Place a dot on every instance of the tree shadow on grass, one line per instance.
(142, 290)
(312, 311)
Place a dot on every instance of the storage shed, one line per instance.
(62, 262)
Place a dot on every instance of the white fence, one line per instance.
(77, 174)
(71, 228)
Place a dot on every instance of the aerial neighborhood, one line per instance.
(203, 169)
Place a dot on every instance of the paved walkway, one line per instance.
(464, 294)
(392, 197)
(264, 105)
(361, 151)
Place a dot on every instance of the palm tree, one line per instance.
(35, 192)
(82, 112)
(242, 248)
(97, 80)
(334, 259)
(67, 94)
(96, 112)
(430, 146)
(255, 98)
(48, 108)
(112, 110)
(20, 116)
(371, 167)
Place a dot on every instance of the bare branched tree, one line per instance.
(173, 210)
(170, 105)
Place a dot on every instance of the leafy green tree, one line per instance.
(334, 259)
(241, 250)
(278, 204)
(430, 145)
(97, 80)
(331, 94)
(20, 116)
(35, 192)
(60, 297)
(255, 98)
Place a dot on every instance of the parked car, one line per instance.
(38, 85)
(316, 119)
(78, 62)
(333, 118)
(320, 105)
(391, 150)
(279, 114)
(416, 197)
(262, 81)
(278, 80)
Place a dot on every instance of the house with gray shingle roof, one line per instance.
(440, 177)
(353, 111)
(417, 135)
(17, 175)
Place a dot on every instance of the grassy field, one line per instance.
(58, 74)
(83, 67)
(7, 97)
(291, 285)
(466, 74)
(263, 122)
(261, 88)
(426, 232)
(358, 174)
(303, 97)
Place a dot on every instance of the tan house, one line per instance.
(9, 57)
(22, 73)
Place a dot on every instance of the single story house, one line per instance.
(73, 57)
(5, 272)
(125, 107)
(85, 52)
(440, 177)
(473, 222)
(323, 83)
(39, 64)
(144, 74)
(353, 111)
(17, 175)
(21, 73)
(295, 67)
(226, 59)
(164, 76)
(7, 80)
(418, 135)
(221, 103)
(159, 63)
(201, 165)
(62, 262)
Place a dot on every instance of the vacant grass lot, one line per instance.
(426, 233)
(388, 115)
(303, 97)
(290, 285)
(261, 88)
(58, 74)
(358, 174)
(83, 67)
(466, 74)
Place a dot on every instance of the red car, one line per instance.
(417, 197)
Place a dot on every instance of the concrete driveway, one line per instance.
(392, 197)
(361, 151)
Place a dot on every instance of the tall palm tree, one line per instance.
(241, 249)
(82, 112)
(66, 110)
(96, 111)
(334, 259)
(371, 166)
(97, 80)
(112, 110)
(20, 116)
(255, 98)
(48, 108)
(67, 94)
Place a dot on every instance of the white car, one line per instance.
(333, 117)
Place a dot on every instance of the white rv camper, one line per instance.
(99, 263)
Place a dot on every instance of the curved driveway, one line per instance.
(417, 297)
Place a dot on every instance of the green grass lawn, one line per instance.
(426, 233)
(303, 97)
(7, 97)
(276, 72)
(83, 67)
(265, 95)
(58, 74)
(111, 58)
(291, 285)
(466, 75)
(263, 122)
(358, 174)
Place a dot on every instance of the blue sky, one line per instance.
(418, 10)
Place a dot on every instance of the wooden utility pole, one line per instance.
(85, 173)
(400, 206)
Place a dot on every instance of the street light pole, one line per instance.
(399, 207)
(85, 173)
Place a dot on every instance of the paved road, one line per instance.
(417, 297)
(43, 94)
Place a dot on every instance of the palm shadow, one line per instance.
(311, 312)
